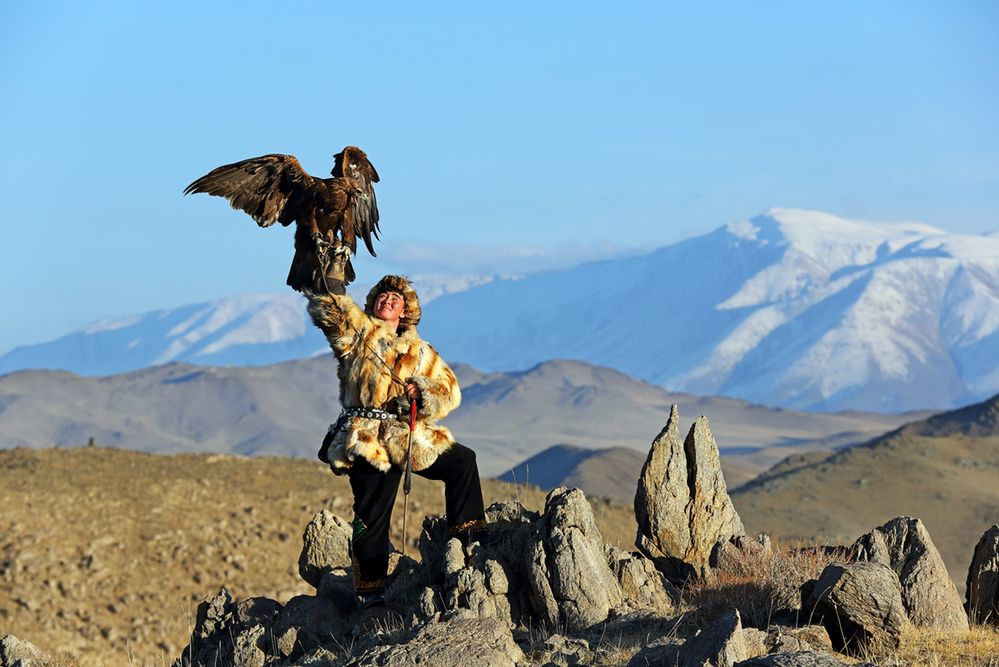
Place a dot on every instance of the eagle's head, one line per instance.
(352, 162)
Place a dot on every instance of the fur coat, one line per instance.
(356, 337)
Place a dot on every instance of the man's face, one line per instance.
(389, 306)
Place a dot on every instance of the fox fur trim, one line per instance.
(401, 285)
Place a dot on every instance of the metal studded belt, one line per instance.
(368, 413)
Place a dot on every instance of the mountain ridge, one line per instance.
(941, 469)
(284, 409)
(790, 308)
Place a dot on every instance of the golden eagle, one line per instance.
(327, 211)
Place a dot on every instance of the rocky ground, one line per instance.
(100, 544)
(105, 553)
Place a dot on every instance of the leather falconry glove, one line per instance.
(333, 260)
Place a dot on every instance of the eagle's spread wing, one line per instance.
(352, 165)
(328, 211)
(271, 188)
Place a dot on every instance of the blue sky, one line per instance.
(505, 134)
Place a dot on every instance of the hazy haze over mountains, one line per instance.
(284, 409)
(792, 308)
(241, 330)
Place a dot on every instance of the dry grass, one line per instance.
(105, 554)
(760, 584)
(949, 483)
(757, 584)
(979, 647)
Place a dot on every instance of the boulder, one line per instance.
(660, 651)
(317, 622)
(211, 638)
(571, 583)
(228, 633)
(642, 585)
(16, 652)
(860, 605)
(250, 647)
(682, 504)
(257, 610)
(722, 644)
(784, 639)
(318, 657)
(462, 640)
(982, 595)
(337, 585)
(796, 659)
(325, 547)
(490, 580)
(561, 650)
(755, 640)
(406, 580)
(928, 593)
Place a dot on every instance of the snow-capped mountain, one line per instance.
(792, 308)
(242, 330)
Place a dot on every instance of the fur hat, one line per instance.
(401, 285)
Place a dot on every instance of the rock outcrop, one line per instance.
(325, 547)
(782, 639)
(16, 652)
(463, 640)
(928, 593)
(550, 570)
(723, 643)
(798, 659)
(491, 582)
(543, 588)
(643, 587)
(860, 605)
(570, 579)
(982, 594)
(682, 504)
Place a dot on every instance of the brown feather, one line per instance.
(274, 188)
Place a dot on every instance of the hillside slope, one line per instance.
(611, 472)
(284, 410)
(105, 553)
(942, 470)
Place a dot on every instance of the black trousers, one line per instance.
(374, 496)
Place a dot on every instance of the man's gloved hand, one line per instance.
(403, 401)
(333, 259)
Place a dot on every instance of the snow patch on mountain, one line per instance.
(430, 287)
(794, 308)
(110, 325)
(244, 329)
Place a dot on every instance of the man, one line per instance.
(383, 365)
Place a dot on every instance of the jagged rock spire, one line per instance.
(682, 504)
